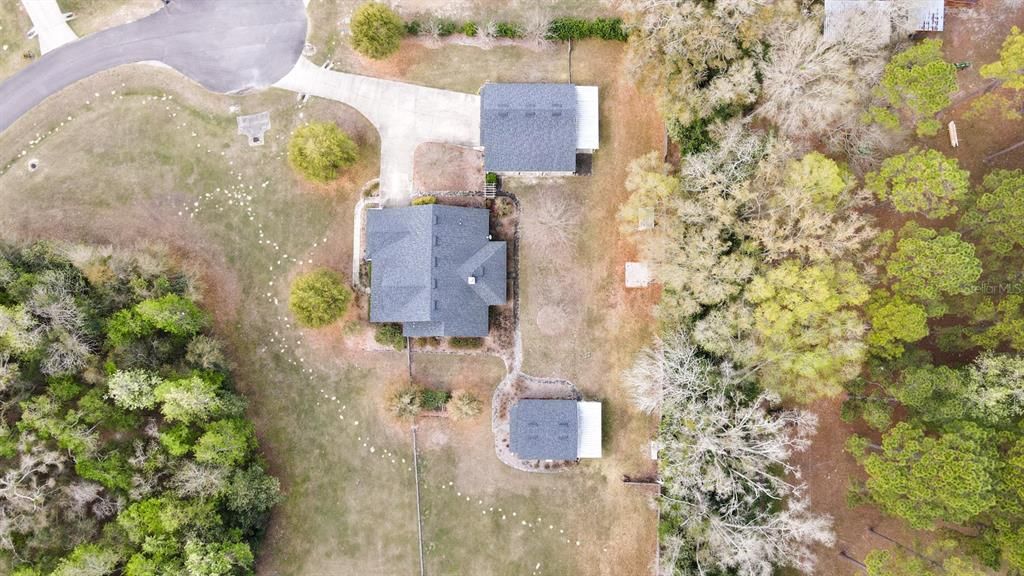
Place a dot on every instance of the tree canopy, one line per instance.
(319, 298)
(924, 479)
(319, 150)
(1010, 66)
(894, 322)
(928, 264)
(377, 30)
(922, 181)
(995, 217)
(810, 334)
(136, 458)
(920, 81)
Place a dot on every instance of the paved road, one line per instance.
(226, 46)
(405, 115)
(49, 24)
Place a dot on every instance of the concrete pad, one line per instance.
(638, 275)
(405, 115)
(49, 24)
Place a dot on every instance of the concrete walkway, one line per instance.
(405, 115)
(49, 24)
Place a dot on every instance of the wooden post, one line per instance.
(419, 514)
(845, 556)
(901, 545)
(1003, 151)
(408, 348)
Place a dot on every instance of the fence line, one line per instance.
(419, 514)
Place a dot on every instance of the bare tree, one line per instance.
(194, 480)
(553, 223)
(25, 489)
(537, 29)
(80, 495)
(722, 456)
(810, 83)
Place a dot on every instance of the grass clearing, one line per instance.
(95, 15)
(14, 41)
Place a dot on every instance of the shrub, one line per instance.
(319, 298)
(464, 405)
(404, 403)
(469, 28)
(390, 335)
(578, 28)
(413, 27)
(508, 30)
(609, 29)
(433, 399)
(446, 26)
(491, 178)
(424, 200)
(376, 30)
(318, 150)
(465, 343)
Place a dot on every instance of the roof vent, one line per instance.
(471, 280)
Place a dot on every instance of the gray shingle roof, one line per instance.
(528, 127)
(544, 429)
(422, 259)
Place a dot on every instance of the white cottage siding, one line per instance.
(589, 445)
(588, 135)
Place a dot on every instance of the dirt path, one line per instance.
(828, 470)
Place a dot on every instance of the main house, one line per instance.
(555, 429)
(434, 269)
(537, 128)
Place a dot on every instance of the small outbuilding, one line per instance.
(542, 429)
(537, 128)
(435, 269)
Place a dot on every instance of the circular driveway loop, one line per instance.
(226, 46)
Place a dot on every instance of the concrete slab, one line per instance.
(49, 24)
(405, 115)
(254, 126)
(638, 275)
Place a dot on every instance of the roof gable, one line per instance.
(544, 429)
(528, 127)
(422, 260)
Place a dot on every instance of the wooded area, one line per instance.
(122, 446)
(809, 246)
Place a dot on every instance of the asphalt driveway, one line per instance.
(226, 46)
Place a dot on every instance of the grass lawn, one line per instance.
(14, 42)
(159, 160)
(95, 15)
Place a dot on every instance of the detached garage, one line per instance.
(555, 430)
(537, 128)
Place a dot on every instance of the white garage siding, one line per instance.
(589, 429)
(587, 115)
